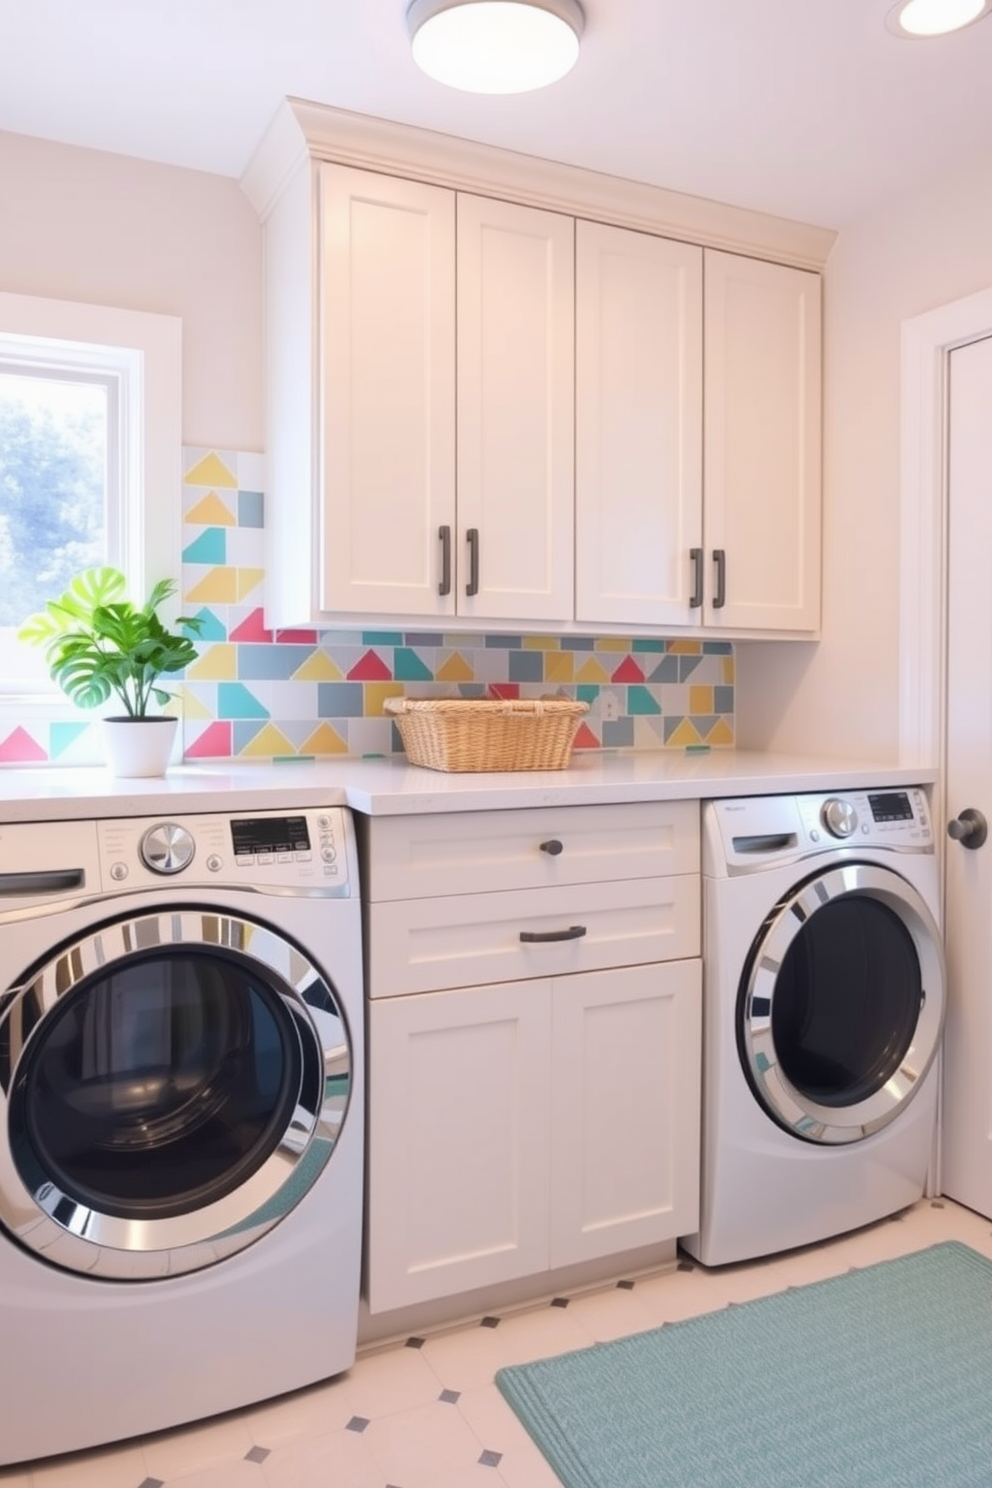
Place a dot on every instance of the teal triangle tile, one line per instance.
(235, 701)
(62, 735)
(212, 626)
(209, 547)
(409, 667)
(382, 638)
(587, 692)
(641, 700)
(646, 643)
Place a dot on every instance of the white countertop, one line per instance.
(394, 788)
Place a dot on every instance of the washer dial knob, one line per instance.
(839, 817)
(167, 848)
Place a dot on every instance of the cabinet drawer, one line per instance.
(424, 945)
(485, 851)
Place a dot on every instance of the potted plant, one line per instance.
(98, 644)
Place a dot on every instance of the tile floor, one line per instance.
(426, 1414)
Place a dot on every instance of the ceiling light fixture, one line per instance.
(919, 19)
(495, 46)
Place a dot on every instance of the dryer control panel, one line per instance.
(744, 835)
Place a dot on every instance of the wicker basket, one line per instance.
(485, 734)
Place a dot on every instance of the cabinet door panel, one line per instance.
(638, 428)
(458, 1141)
(762, 442)
(625, 1113)
(387, 436)
(515, 408)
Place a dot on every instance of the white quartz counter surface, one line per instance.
(394, 788)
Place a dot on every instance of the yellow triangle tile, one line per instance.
(559, 666)
(219, 586)
(592, 671)
(318, 668)
(727, 667)
(211, 471)
(376, 694)
(541, 643)
(455, 669)
(686, 733)
(685, 648)
(218, 664)
(324, 740)
(248, 579)
(211, 512)
(192, 706)
(269, 741)
(720, 733)
(613, 643)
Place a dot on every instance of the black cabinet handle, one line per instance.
(536, 937)
(444, 533)
(720, 597)
(472, 538)
(696, 558)
(553, 848)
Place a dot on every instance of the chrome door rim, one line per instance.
(79, 1238)
(802, 1117)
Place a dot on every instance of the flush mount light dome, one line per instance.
(495, 46)
(919, 19)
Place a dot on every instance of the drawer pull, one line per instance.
(554, 847)
(536, 937)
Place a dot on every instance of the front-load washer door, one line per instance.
(172, 1084)
(841, 1003)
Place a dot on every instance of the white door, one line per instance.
(387, 332)
(966, 1150)
(761, 450)
(516, 411)
(638, 427)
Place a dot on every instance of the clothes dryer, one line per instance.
(823, 1006)
(181, 1143)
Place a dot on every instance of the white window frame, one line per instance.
(144, 351)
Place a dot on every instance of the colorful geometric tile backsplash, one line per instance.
(293, 694)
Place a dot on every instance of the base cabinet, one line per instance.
(530, 1125)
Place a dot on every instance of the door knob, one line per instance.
(970, 828)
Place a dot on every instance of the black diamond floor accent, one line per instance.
(152, 1483)
(489, 1322)
(626, 1286)
(490, 1459)
(450, 1396)
(257, 1454)
(357, 1423)
(559, 1302)
(936, 1203)
(414, 1343)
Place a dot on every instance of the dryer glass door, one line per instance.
(174, 1084)
(841, 1004)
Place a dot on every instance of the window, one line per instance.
(90, 462)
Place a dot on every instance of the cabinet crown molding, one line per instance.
(302, 131)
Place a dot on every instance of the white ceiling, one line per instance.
(809, 109)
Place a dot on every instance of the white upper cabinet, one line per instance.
(762, 445)
(387, 359)
(515, 411)
(638, 410)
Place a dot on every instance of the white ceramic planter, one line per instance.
(138, 746)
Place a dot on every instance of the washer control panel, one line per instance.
(300, 851)
(757, 831)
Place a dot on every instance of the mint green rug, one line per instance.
(881, 1378)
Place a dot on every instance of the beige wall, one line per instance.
(107, 229)
(910, 256)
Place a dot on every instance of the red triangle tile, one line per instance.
(252, 628)
(628, 671)
(585, 738)
(371, 668)
(296, 637)
(213, 743)
(504, 690)
(20, 749)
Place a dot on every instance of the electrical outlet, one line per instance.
(609, 707)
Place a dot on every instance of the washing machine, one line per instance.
(181, 1144)
(823, 1007)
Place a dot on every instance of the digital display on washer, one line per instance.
(270, 834)
(893, 806)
